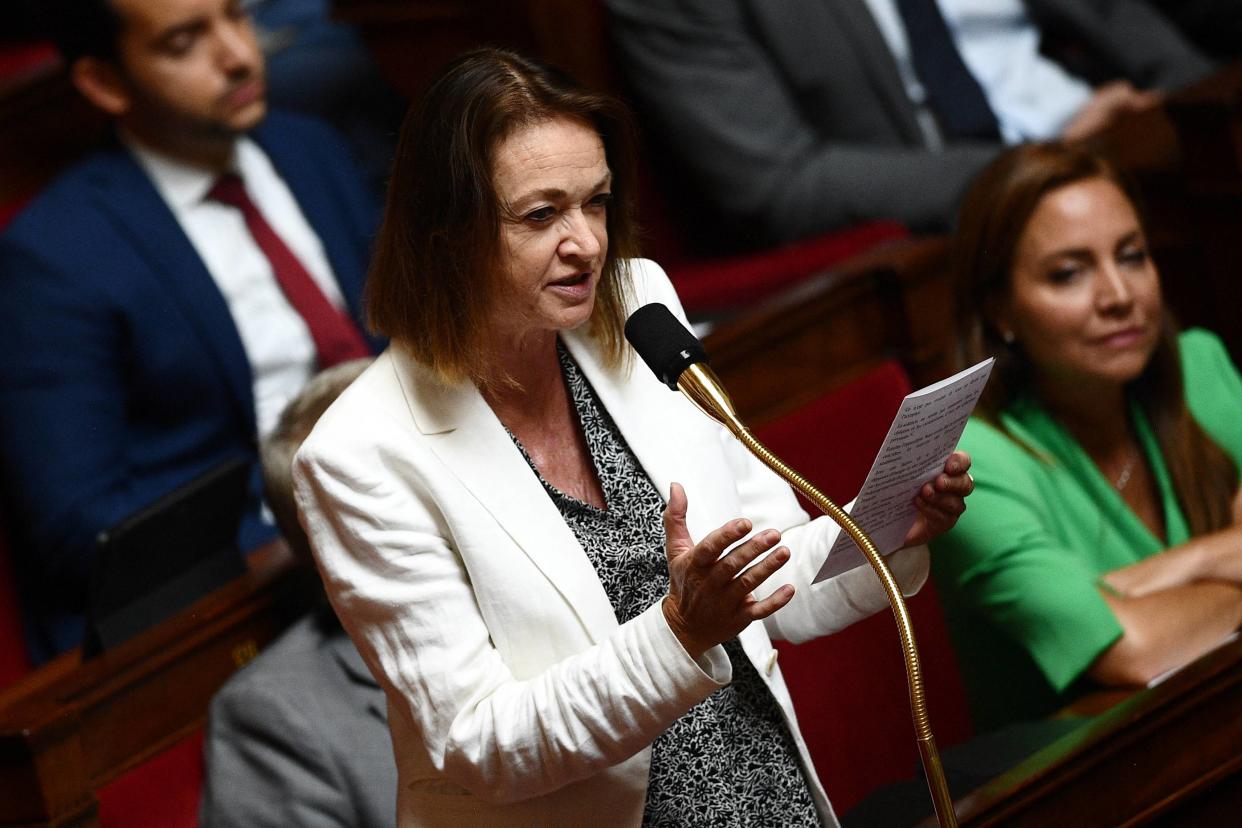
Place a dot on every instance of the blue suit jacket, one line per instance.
(123, 374)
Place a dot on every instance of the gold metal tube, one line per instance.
(700, 384)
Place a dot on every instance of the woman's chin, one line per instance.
(576, 322)
(576, 315)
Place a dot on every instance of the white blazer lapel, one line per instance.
(464, 432)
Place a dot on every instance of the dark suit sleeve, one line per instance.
(1136, 40)
(267, 765)
(1213, 24)
(716, 98)
(62, 412)
(336, 162)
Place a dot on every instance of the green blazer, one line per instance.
(1018, 574)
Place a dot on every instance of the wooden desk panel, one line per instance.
(888, 303)
(1171, 754)
(794, 349)
(72, 727)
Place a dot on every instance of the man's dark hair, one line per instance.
(80, 28)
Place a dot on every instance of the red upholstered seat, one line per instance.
(849, 689)
(715, 284)
(19, 61)
(14, 661)
(162, 792)
(710, 275)
(10, 209)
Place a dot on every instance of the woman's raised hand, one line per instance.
(708, 601)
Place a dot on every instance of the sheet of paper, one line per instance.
(922, 436)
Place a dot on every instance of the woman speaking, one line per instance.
(566, 636)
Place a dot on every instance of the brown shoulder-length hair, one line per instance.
(434, 279)
(993, 216)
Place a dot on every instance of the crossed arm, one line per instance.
(1174, 606)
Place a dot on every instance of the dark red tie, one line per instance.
(336, 337)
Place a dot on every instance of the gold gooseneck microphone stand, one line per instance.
(700, 384)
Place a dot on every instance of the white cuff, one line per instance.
(712, 666)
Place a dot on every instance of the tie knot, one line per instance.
(229, 190)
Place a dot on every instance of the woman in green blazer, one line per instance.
(1104, 544)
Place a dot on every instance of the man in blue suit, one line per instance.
(164, 298)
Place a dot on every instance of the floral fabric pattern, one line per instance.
(730, 760)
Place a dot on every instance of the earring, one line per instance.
(1008, 337)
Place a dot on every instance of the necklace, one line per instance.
(1124, 477)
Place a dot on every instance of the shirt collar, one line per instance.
(183, 185)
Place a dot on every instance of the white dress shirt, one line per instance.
(277, 342)
(1033, 98)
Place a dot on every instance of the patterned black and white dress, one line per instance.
(730, 760)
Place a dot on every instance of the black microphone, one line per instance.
(680, 361)
(663, 342)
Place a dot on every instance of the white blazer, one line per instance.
(515, 697)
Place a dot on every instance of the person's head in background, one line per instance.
(1054, 279)
(184, 77)
(295, 424)
(452, 251)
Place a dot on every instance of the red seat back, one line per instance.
(162, 792)
(737, 281)
(40, 131)
(849, 689)
(14, 658)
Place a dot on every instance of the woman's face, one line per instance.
(554, 185)
(1084, 301)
